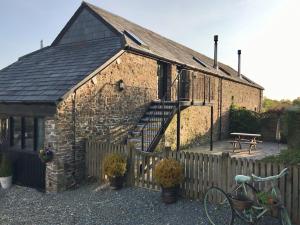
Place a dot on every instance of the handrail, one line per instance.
(157, 122)
(165, 95)
(160, 122)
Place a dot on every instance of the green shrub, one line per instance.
(5, 167)
(293, 121)
(243, 120)
(115, 165)
(287, 157)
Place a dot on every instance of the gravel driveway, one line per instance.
(89, 205)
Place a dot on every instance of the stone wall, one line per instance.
(100, 110)
(195, 123)
(195, 120)
(240, 95)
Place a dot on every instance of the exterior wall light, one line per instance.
(121, 85)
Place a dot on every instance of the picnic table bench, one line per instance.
(245, 138)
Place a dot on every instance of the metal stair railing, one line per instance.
(157, 121)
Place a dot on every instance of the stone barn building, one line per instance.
(107, 78)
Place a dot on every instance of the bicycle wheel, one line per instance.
(284, 217)
(217, 207)
(246, 193)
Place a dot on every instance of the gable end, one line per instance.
(85, 26)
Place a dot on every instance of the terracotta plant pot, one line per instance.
(169, 195)
(116, 183)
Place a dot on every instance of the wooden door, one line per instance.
(162, 80)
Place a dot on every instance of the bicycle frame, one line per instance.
(261, 209)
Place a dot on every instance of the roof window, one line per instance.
(224, 71)
(134, 38)
(199, 61)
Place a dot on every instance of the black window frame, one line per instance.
(23, 131)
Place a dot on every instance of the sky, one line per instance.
(267, 32)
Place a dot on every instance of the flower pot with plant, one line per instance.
(5, 172)
(46, 155)
(168, 174)
(115, 169)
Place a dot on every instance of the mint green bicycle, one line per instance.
(245, 202)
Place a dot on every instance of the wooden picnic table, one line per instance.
(246, 138)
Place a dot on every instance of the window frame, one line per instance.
(11, 128)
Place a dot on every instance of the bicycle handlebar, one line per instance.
(281, 174)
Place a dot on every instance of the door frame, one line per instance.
(163, 69)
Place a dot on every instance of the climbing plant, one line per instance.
(243, 120)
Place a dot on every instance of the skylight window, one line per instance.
(134, 38)
(199, 61)
(247, 79)
(224, 71)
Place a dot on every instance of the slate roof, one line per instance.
(46, 75)
(166, 48)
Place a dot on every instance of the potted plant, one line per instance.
(168, 174)
(46, 155)
(5, 172)
(115, 169)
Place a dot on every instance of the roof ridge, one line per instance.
(94, 8)
(33, 53)
(162, 46)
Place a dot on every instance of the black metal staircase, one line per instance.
(153, 125)
(155, 121)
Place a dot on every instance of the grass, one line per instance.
(290, 157)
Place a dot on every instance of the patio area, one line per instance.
(263, 149)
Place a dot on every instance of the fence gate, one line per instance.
(28, 169)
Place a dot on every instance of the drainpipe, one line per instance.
(220, 106)
(74, 136)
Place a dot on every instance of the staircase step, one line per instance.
(152, 119)
(157, 114)
(147, 128)
(159, 102)
(161, 107)
(146, 133)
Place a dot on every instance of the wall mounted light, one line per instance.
(121, 85)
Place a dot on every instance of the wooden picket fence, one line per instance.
(95, 154)
(201, 171)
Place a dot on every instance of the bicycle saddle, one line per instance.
(242, 179)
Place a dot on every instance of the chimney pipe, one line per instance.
(216, 52)
(239, 63)
(42, 44)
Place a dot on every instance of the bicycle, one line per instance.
(245, 201)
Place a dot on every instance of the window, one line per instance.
(39, 133)
(134, 38)
(15, 134)
(27, 133)
(224, 71)
(199, 61)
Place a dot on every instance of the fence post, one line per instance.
(166, 152)
(224, 171)
(131, 161)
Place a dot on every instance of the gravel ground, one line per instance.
(90, 205)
